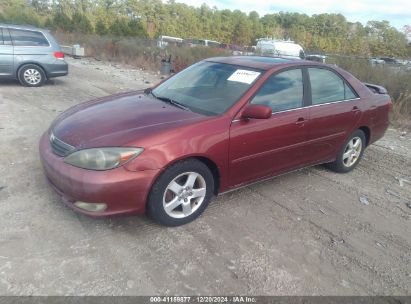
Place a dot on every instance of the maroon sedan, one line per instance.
(216, 126)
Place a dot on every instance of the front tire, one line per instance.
(181, 193)
(31, 75)
(350, 153)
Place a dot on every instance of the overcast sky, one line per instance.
(397, 12)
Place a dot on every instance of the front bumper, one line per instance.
(123, 191)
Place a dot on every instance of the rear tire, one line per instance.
(31, 75)
(181, 193)
(350, 154)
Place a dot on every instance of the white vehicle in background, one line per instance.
(164, 41)
(202, 42)
(376, 61)
(281, 48)
(212, 43)
(316, 57)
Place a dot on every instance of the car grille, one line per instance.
(59, 147)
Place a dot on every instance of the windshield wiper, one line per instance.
(171, 101)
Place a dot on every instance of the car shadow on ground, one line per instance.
(119, 223)
(55, 81)
(16, 83)
(9, 82)
(123, 224)
(136, 224)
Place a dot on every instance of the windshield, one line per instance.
(208, 88)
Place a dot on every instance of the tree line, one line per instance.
(329, 33)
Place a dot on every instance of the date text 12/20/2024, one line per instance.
(203, 299)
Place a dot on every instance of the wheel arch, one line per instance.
(367, 133)
(211, 165)
(214, 170)
(21, 65)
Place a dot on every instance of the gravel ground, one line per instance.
(310, 232)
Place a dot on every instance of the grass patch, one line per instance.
(142, 53)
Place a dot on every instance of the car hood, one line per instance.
(118, 120)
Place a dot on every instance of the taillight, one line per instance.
(59, 55)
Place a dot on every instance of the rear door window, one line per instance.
(281, 92)
(28, 38)
(349, 93)
(6, 37)
(327, 86)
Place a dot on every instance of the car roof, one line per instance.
(260, 62)
(20, 26)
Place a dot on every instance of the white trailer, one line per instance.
(164, 41)
(75, 51)
(281, 48)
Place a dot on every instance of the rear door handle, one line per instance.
(300, 121)
(355, 109)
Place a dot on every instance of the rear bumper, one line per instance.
(123, 191)
(57, 69)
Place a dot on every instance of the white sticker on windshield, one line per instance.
(244, 76)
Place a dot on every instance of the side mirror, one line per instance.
(148, 91)
(257, 111)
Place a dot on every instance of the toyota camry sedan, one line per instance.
(218, 125)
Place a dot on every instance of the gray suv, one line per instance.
(30, 55)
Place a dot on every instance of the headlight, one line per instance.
(102, 158)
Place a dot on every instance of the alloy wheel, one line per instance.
(184, 195)
(32, 76)
(352, 151)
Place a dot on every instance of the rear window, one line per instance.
(28, 38)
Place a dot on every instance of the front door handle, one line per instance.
(300, 121)
(355, 109)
